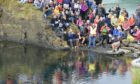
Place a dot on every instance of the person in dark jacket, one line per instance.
(137, 17)
(100, 10)
(98, 2)
(100, 24)
(118, 9)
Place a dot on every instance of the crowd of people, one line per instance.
(95, 25)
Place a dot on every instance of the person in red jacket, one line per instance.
(60, 1)
(132, 21)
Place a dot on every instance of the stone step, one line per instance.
(134, 45)
(132, 49)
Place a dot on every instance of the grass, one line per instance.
(136, 75)
(25, 11)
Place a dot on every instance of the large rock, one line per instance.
(29, 31)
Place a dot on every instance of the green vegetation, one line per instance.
(136, 75)
(24, 11)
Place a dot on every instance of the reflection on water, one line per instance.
(21, 64)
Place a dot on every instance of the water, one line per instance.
(130, 5)
(35, 65)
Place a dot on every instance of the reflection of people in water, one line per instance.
(91, 62)
(91, 67)
(57, 78)
(123, 68)
(10, 80)
(80, 64)
(115, 65)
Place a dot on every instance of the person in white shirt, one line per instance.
(92, 35)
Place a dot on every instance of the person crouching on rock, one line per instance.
(115, 43)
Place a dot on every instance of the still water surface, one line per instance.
(34, 65)
(129, 5)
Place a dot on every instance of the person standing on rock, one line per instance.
(105, 30)
(92, 35)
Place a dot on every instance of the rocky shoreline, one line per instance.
(36, 33)
(28, 32)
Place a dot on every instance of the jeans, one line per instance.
(71, 42)
(104, 38)
(91, 41)
(47, 13)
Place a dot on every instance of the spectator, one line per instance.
(92, 35)
(101, 10)
(38, 4)
(126, 24)
(90, 18)
(138, 11)
(56, 11)
(84, 9)
(137, 18)
(66, 4)
(108, 20)
(121, 19)
(114, 20)
(115, 31)
(118, 9)
(89, 3)
(23, 1)
(30, 1)
(115, 43)
(59, 1)
(71, 38)
(125, 12)
(105, 30)
(137, 35)
(47, 11)
(96, 20)
(132, 21)
(77, 6)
